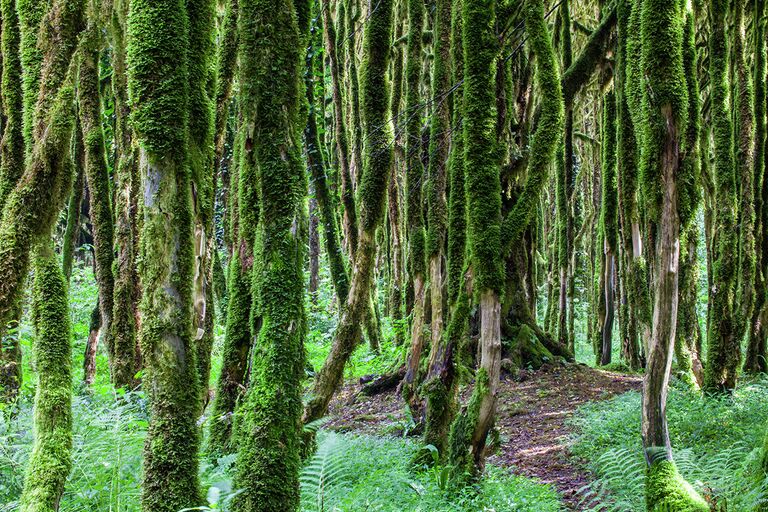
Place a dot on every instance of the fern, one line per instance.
(327, 469)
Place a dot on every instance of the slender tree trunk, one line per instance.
(372, 193)
(97, 179)
(72, 231)
(414, 179)
(440, 387)
(723, 352)
(91, 347)
(439, 142)
(665, 117)
(126, 280)
(349, 224)
(32, 208)
(51, 460)
(202, 108)
(756, 356)
(11, 169)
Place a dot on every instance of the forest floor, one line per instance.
(533, 414)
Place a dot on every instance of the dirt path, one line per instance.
(533, 414)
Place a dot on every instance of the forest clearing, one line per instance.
(383, 255)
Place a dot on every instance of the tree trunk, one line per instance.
(167, 252)
(126, 286)
(372, 194)
(51, 460)
(97, 179)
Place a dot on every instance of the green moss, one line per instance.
(317, 168)
(31, 13)
(440, 126)
(202, 108)
(377, 158)
(341, 139)
(483, 186)
(723, 353)
(125, 303)
(578, 73)
(456, 191)
(743, 151)
(158, 45)
(268, 422)
(237, 342)
(666, 490)
(33, 206)
(547, 133)
(12, 143)
(49, 465)
(664, 72)
(97, 178)
(460, 438)
(609, 200)
(414, 169)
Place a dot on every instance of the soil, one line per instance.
(533, 413)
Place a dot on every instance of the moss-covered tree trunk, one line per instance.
(756, 359)
(563, 195)
(414, 178)
(627, 194)
(483, 202)
(688, 339)
(202, 110)
(723, 347)
(608, 226)
(51, 460)
(74, 207)
(32, 207)
(126, 279)
(11, 169)
(237, 335)
(373, 185)
(158, 80)
(665, 108)
(100, 207)
(441, 383)
(317, 168)
(341, 143)
(268, 422)
(439, 144)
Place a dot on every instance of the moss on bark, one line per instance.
(371, 195)
(11, 169)
(51, 459)
(268, 426)
(97, 177)
(157, 53)
(723, 352)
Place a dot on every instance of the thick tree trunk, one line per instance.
(167, 252)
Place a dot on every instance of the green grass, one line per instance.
(715, 442)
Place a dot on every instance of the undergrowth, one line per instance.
(348, 473)
(715, 443)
